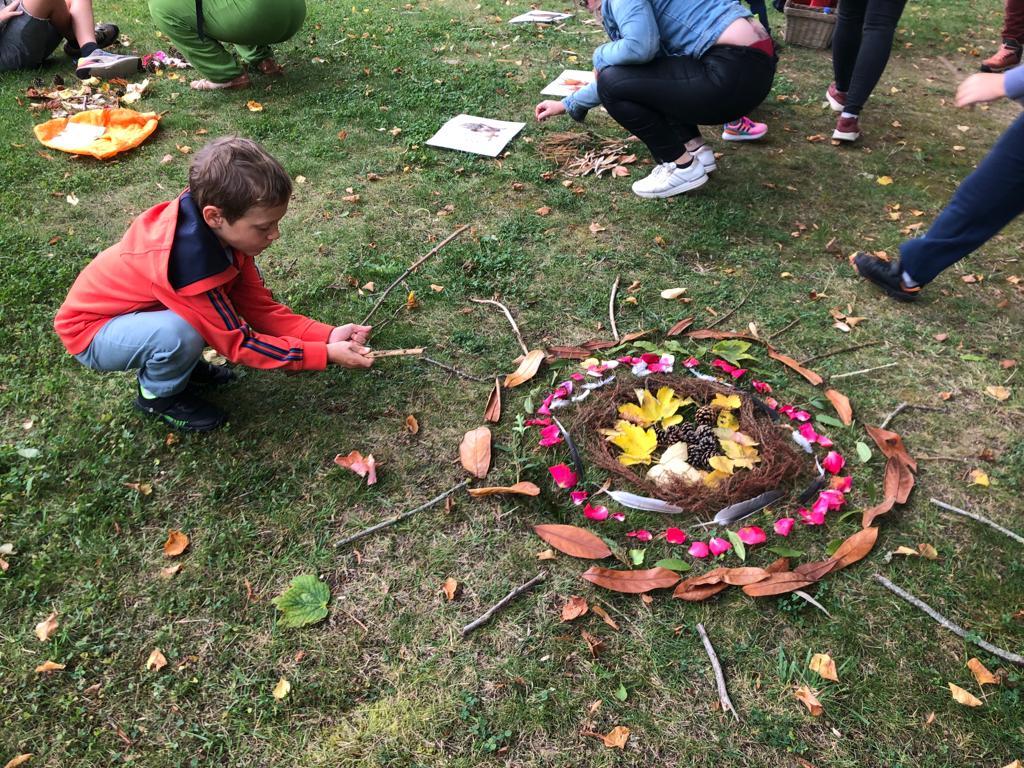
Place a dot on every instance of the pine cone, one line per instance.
(702, 447)
(705, 415)
(680, 433)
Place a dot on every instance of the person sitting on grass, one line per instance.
(199, 27)
(183, 276)
(671, 65)
(30, 30)
(985, 202)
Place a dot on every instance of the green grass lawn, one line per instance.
(386, 680)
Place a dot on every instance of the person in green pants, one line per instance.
(199, 29)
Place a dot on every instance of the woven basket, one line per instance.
(807, 26)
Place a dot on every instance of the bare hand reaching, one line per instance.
(349, 354)
(980, 87)
(350, 331)
(548, 108)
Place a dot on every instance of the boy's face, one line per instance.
(253, 232)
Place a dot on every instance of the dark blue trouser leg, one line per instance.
(986, 201)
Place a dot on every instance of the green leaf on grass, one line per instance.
(737, 545)
(733, 350)
(28, 453)
(785, 551)
(636, 556)
(824, 418)
(622, 694)
(833, 546)
(973, 358)
(673, 564)
(304, 602)
(863, 452)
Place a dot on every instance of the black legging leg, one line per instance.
(861, 46)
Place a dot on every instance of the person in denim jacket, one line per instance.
(669, 66)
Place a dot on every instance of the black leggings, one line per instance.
(861, 46)
(662, 102)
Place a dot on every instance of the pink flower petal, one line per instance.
(784, 525)
(772, 403)
(691, 362)
(833, 463)
(833, 499)
(825, 442)
(538, 422)
(699, 549)
(578, 497)
(811, 517)
(762, 386)
(722, 365)
(595, 513)
(841, 484)
(807, 432)
(577, 377)
(563, 476)
(675, 536)
(619, 517)
(550, 435)
(650, 357)
(737, 373)
(751, 535)
(800, 415)
(719, 546)
(787, 410)
(641, 535)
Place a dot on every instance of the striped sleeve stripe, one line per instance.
(228, 307)
(224, 316)
(256, 345)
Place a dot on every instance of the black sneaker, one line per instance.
(183, 411)
(211, 375)
(885, 275)
(106, 34)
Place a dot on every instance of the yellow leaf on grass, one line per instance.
(637, 444)
(617, 737)
(729, 402)
(906, 551)
(282, 689)
(527, 368)
(49, 666)
(884, 181)
(809, 700)
(177, 542)
(981, 674)
(722, 464)
(825, 666)
(928, 551)
(156, 660)
(960, 696)
(999, 393)
(978, 477)
(254, 106)
(47, 627)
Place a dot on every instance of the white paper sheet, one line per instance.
(479, 135)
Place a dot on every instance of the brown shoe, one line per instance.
(1007, 57)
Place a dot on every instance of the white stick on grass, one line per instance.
(723, 693)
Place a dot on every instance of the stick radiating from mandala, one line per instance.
(723, 692)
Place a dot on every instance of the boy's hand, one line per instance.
(980, 87)
(349, 354)
(350, 331)
(548, 108)
(9, 12)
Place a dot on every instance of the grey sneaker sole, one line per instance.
(836, 106)
(122, 66)
(845, 135)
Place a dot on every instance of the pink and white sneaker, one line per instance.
(744, 129)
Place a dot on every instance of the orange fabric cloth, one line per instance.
(99, 133)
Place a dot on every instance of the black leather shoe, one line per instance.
(183, 411)
(106, 34)
(885, 275)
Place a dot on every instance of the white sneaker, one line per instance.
(706, 156)
(106, 65)
(669, 179)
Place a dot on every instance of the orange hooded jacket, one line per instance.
(170, 259)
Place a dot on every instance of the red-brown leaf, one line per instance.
(475, 451)
(817, 570)
(878, 510)
(856, 547)
(792, 364)
(891, 445)
(523, 488)
(695, 594)
(741, 577)
(711, 333)
(842, 405)
(573, 541)
(569, 352)
(778, 584)
(492, 412)
(527, 368)
(632, 582)
(679, 327)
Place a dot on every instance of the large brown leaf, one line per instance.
(492, 412)
(818, 570)
(177, 542)
(569, 352)
(741, 577)
(710, 333)
(632, 582)
(523, 488)
(475, 451)
(679, 327)
(842, 405)
(697, 593)
(856, 547)
(573, 541)
(877, 511)
(527, 368)
(778, 584)
(792, 364)
(891, 445)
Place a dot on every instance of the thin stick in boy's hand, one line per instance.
(395, 352)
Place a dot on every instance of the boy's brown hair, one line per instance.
(236, 174)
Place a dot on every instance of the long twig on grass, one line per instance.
(411, 269)
(732, 311)
(839, 351)
(901, 408)
(512, 322)
(861, 371)
(489, 613)
(956, 629)
(451, 369)
(399, 518)
(611, 309)
(375, 353)
(783, 329)
(979, 518)
(723, 692)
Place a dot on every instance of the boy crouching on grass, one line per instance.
(184, 276)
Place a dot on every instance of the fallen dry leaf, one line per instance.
(842, 405)
(523, 488)
(166, 159)
(177, 542)
(546, 554)
(411, 424)
(594, 644)
(49, 666)
(632, 582)
(72, 198)
(544, 210)
(978, 477)
(492, 412)
(960, 696)
(884, 180)
(672, 293)
(450, 588)
(981, 674)
(928, 551)
(906, 551)
(940, 336)
(527, 368)
(45, 628)
(617, 737)
(254, 106)
(282, 689)
(576, 607)
(362, 466)
(605, 617)
(170, 571)
(17, 760)
(475, 451)
(999, 393)
(573, 541)
(595, 228)
(809, 700)
(156, 660)
(825, 666)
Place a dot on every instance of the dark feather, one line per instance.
(743, 509)
(577, 460)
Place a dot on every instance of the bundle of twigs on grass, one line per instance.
(780, 466)
(580, 153)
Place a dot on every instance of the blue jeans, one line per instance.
(163, 346)
(985, 202)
